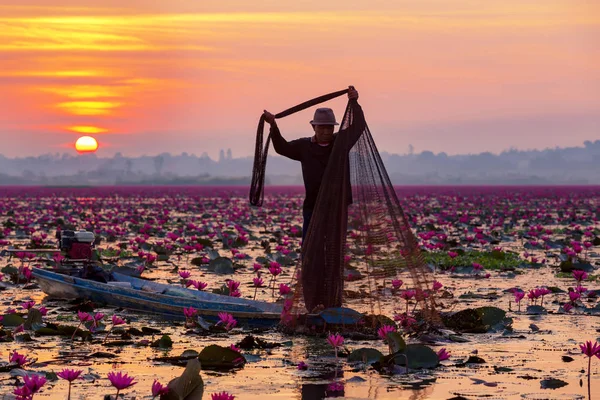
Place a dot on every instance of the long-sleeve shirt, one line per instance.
(313, 156)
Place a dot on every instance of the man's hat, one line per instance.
(324, 116)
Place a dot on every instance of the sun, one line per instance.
(86, 144)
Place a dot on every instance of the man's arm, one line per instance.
(282, 146)
(358, 123)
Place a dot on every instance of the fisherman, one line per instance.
(312, 152)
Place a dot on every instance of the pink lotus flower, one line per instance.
(258, 282)
(18, 359)
(284, 289)
(28, 305)
(120, 381)
(257, 267)
(405, 320)
(567, 307)
(234, 348)
(43, 310)
(98, 317)
(590, 349)
(189, 312)
(233, 285)
(408, 294)
(84, 317)
(335, 340)
(158, 389)
(452, 254)
(580, 275)
(222, 396)
(226, 320)
(574, 296)
(518, 296)
(199, 285)
(275, 268)
(69, 374)
(443, 354)
(384, 330)
(302, 366)
(185, 274)
(33, 383)
(437, 285)
(477, 266)
(396, 283)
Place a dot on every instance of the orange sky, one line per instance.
(443, 75)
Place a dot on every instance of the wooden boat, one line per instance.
(156, 298)
(170, 300)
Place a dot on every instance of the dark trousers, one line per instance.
(307, 214)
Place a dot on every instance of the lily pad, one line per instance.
(34, 319)
(365, 355)
(189, 386)
(395, 341)
(477, 320)
(164, 342)
(221, 265)
(218, 357)
(421, 356)
(12, 320)
(552, 383)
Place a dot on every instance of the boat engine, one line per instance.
(76, 244)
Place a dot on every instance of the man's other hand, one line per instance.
(352, 93)
(269, 118)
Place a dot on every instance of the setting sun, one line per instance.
(86, 144)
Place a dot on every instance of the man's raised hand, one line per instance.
(269, 118)
(352, 93)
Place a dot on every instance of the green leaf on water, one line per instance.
(189, 386)
(12, 320)
(164, 342)
(218, 357)
(396, 342)
(34, 318)
(221, 265)
(365, 355)
(418, 356)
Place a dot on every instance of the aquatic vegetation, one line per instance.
(69, 375)
(120, 381)
(545, 241)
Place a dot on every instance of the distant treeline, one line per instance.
(559, 166)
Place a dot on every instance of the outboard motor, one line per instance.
(76, 244)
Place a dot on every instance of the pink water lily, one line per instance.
(443, 354)
(384, 330)
(69, 375)
(222, 396)
(120, 381)
(18, 359)
(226, 320)
(158, 389)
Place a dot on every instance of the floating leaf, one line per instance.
(34, 319)
(218, 357)
(221, 265)
(365, 355)
(420, 356)
(164, 342)
(12, 320)
(552, 383)
(395, 341)
(189, 386)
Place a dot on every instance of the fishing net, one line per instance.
(359, 244)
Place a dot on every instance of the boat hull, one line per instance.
(170, 307)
